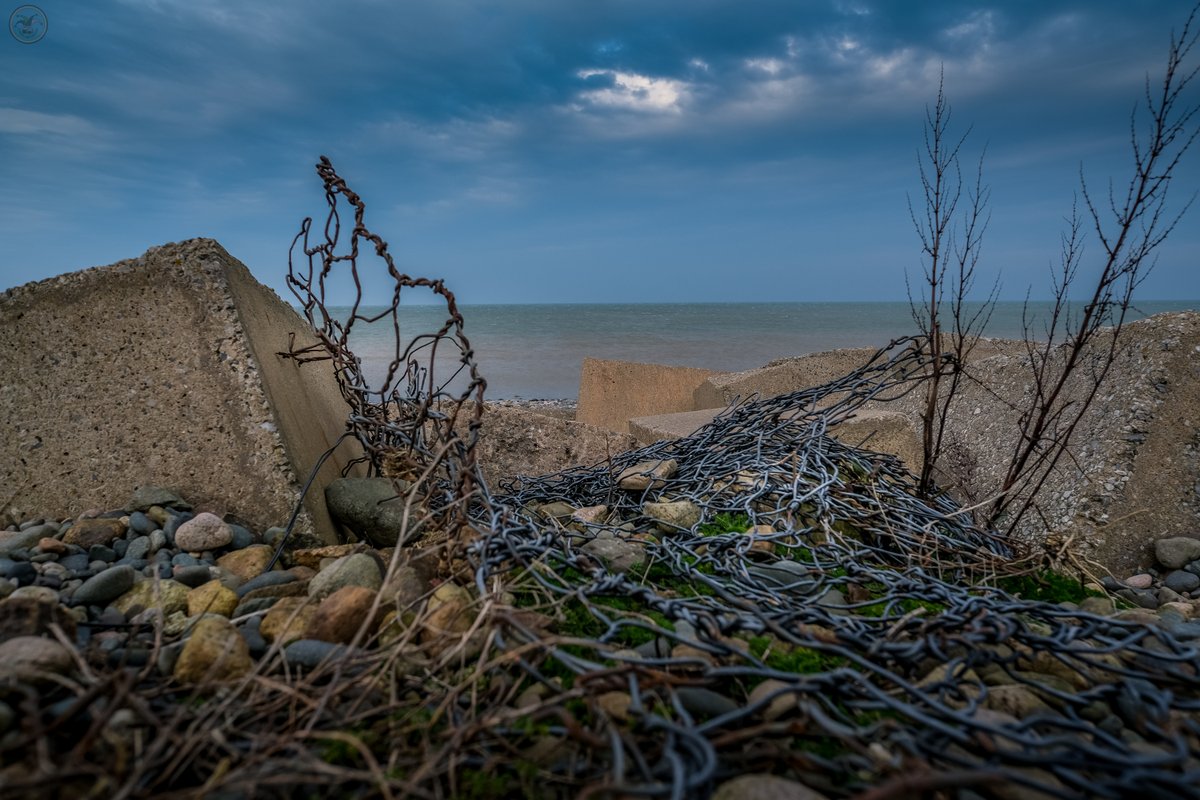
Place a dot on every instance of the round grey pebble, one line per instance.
(1182, 582)
(193, 576)
(99, 552)
(309, 653)
(119, 547)
(49, 581)
(185, 560)
(242, 538)
(23, 572)
(1139, 597)
(105, 587)
(158, 540)
(273, 578)
(138, 548)
(272, 536)
(254, 606)
(141, 524)
(75, 563)
(6, 565)
(254, 639)
(42, 558)
(136, 563)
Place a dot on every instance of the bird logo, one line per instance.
(28, 24)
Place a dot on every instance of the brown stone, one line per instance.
(448, 612)
(287, 620)
(167, 596)
(340, 616)
(312, 557)
(644, 474)
(211, 598)
(50, 545)
(33, 658)
(27, 616)
(214, 652)
(87, 533)
(764, 787)
(247, 563)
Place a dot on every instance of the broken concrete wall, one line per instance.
(163, 370)
(613, 392)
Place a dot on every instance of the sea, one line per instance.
(528, 352)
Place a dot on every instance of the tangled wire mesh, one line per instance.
(756, 598)
(760, 597)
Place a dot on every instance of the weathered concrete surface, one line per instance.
(778, 377)
(515, 441)
(876, 429)
(785, 375)
(613, 392)
(1134, 474)
(162, 370)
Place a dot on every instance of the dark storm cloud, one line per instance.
(552, 150)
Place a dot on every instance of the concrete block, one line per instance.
(613, 392)
(163, 370)
(781, 376)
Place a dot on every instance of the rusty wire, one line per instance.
(413, 420)
(870, 613)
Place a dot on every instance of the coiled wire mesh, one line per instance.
(812, 616)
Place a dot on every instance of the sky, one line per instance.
(553, 151)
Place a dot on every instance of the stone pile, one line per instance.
(112, 582)
(1175, 578)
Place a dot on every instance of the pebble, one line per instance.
(102, 588)
(205, 531)
(240, 537)
(765, 787)
(1182, 582)
(309, 653)
(158, 540)
(1139, 581)
(273, 578)
(138, 548)
(1175, 551)
(192, 575)
(101, 552)
(21, 540)
(76, 563)
(358, 569)
(141, 524)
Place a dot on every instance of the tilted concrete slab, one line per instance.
(163, 370)
(613, 392)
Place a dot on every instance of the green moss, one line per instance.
(1047, 586)
(725, 523)
(796, 660)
